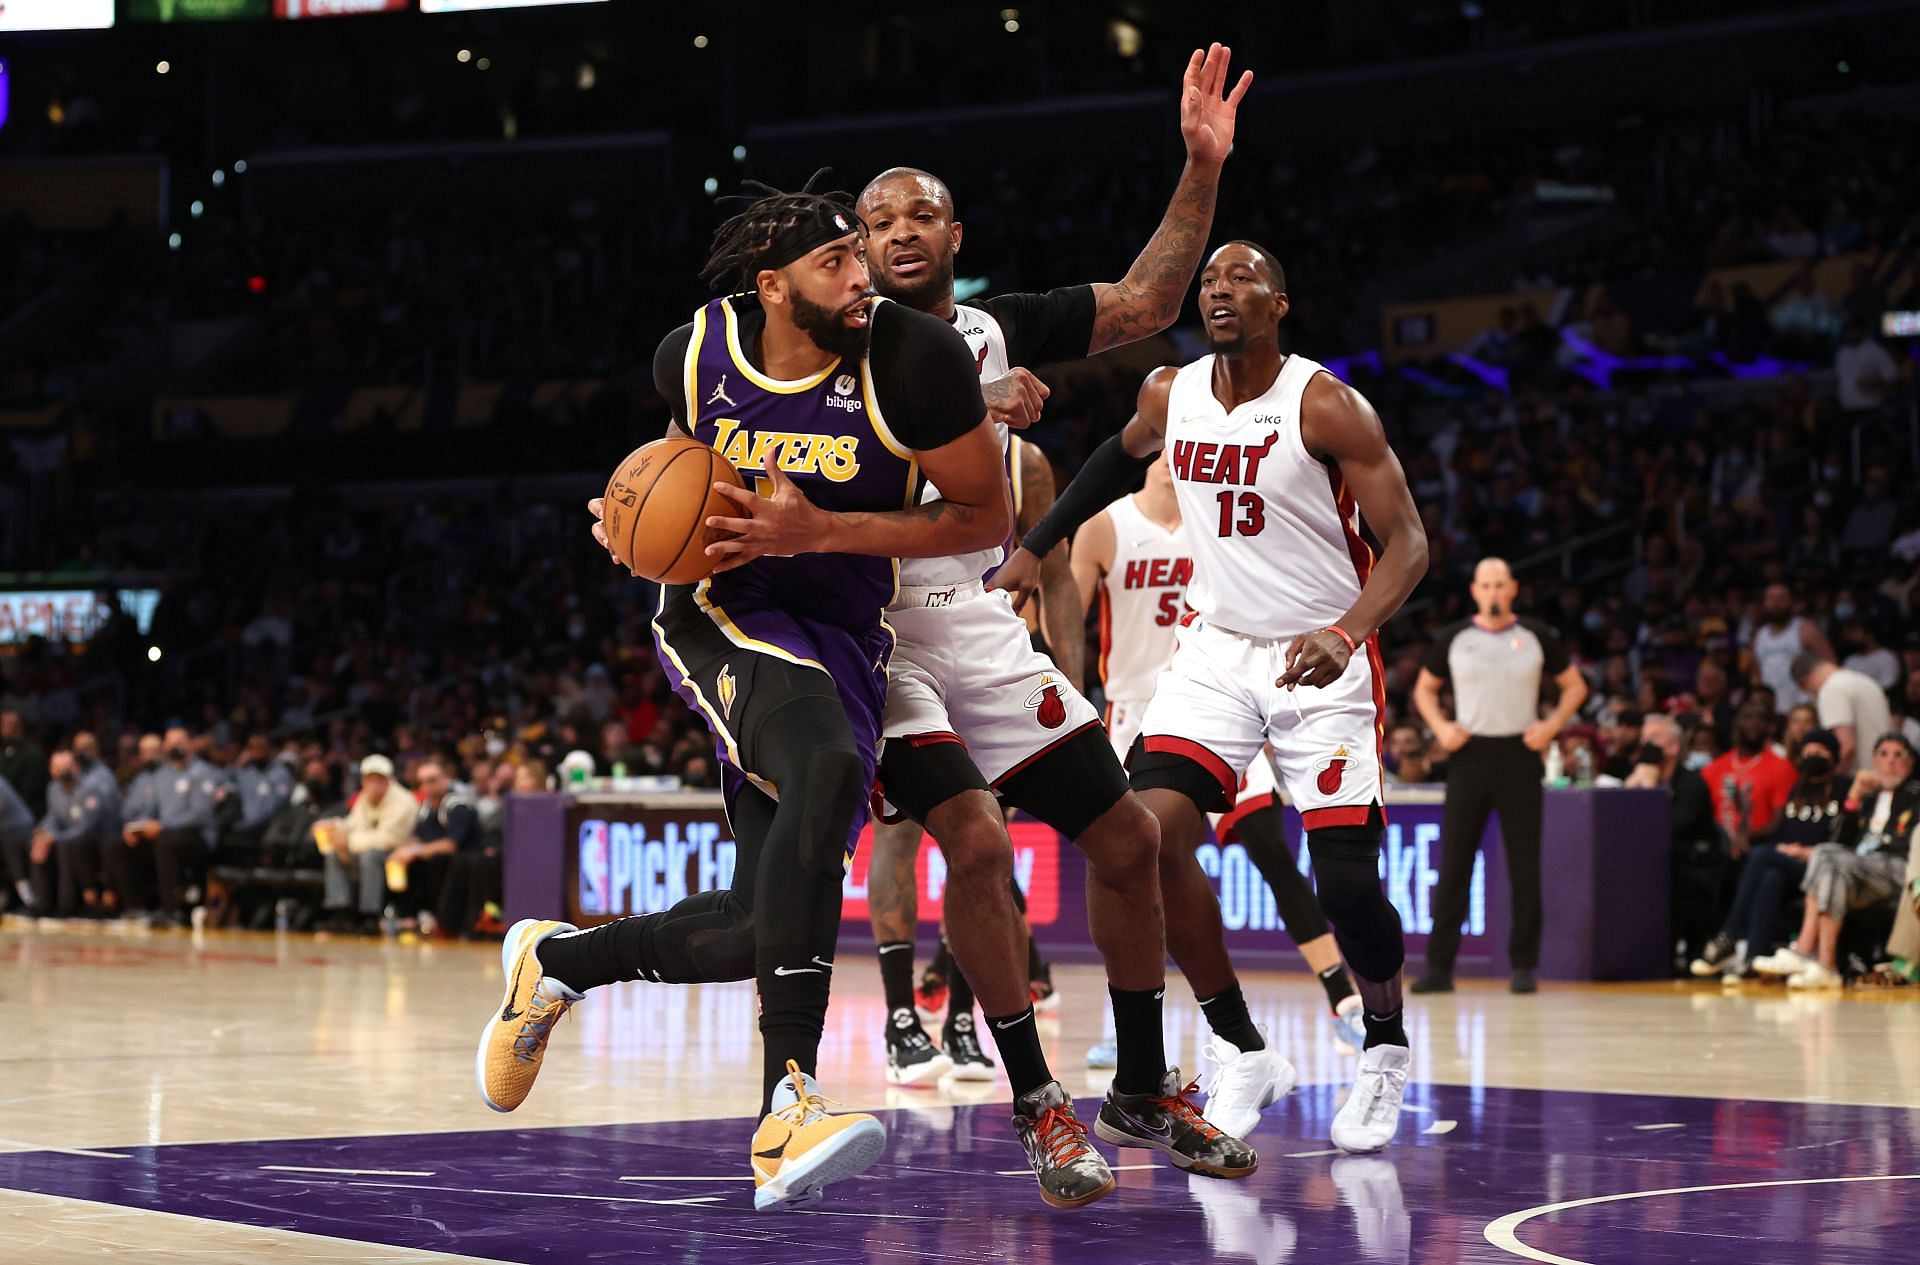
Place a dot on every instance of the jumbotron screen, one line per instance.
(463, 6)
(298, 9)
(195, 10)
(55, 15)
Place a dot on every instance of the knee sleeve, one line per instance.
(1365, 924)
(835, 788)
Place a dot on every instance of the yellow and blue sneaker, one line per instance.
(799, 1149)
(515, 1039)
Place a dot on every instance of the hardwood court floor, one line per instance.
(123, 1047)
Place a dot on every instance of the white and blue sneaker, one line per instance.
(800, 1148)
(1105, 1056)
(1349, 1029)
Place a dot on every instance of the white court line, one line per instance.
(1442, 1126)
(676, 1178)
(1307, 1155)
(534, 1194)
(344, 1172)
(1649, 1128)
(1111, 1168)
(62, 1150)
(1501, 1234)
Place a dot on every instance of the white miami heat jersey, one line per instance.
(1274, 533)
(1142, 598)
(988, 343)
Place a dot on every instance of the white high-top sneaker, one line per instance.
(1367, 1120)
(1244, 1083)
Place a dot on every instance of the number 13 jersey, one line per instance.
(1273, 531)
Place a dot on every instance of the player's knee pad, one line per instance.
(1346, 863)
(833, 788)
(723, 954)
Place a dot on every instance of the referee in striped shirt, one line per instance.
(1495, 663)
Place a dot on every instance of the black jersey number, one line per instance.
(1252, 517)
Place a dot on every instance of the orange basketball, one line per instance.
(657, 505)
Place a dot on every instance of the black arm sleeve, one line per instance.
(670, 371)
(925, 383)
(1043, 328)
(1436, 660)
(1110, 473)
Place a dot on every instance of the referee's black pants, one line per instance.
(1485, 776)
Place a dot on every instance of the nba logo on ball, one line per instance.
(1331, 770)
(594, 859)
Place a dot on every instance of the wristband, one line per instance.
(1338, 631)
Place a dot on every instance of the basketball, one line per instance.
(657, 504)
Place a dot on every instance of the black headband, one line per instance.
(812, 228)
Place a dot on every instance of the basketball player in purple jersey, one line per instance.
(834, 404)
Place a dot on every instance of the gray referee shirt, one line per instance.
(1496, 675)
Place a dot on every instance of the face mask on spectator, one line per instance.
(1843, 610)
(1815, 766)
(319, 791)
(69, 778)
(1697, 760)
(176, 753)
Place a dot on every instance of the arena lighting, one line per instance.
(699, 41)
(173, 241)
(739, 153)
(153, 654)
(197, 209)
(256, 284)
(1125, 36)
(239, 166)
(161, 68)
(464, 56)
(219, 177)
(711, 185)
(485, 63)
(1013, 25)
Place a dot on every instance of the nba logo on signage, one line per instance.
(594, 864)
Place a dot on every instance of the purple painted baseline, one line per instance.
(941, 1192)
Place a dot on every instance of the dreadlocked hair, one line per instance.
(740, 244)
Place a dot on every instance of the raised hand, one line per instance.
(1206, 116)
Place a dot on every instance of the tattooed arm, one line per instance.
(1148, 298)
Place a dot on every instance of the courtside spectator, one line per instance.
(29, 877)
(78, 828)
(356, 847)
(1865, 866)
(450, 876)
(1773, 868)
(174, 807)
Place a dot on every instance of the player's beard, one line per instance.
(828, 329)
(1232, 346)
(923, 292)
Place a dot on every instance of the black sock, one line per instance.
(896, 976)
(1338, 983)
(1141, 1043)
(1227, 1016)
(793, 1010)
(1384, 1029)
(1017, 1038)
(592, 959)
(959, 994)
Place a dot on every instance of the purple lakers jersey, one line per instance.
(829, 438)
